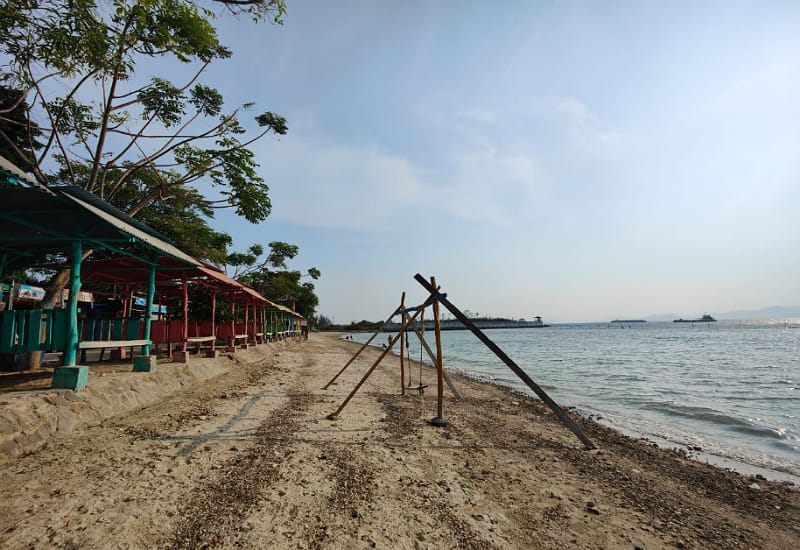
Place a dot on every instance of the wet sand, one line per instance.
(244, 456)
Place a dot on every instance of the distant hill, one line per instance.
(772, 312)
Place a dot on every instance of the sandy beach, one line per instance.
(238, 452)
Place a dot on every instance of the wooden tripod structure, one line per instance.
(436, 298)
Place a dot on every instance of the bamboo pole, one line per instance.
(402, 344)
(438, 420)
(363, 347)
(392, 341)
(430, 353)
(565, 419)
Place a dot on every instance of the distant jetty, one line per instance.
(455, 324)
(628, 321)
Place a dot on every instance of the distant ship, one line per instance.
(628, 321)
(704, 319)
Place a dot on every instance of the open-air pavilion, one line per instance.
(71, 221)
(261, 320)
(38, 224)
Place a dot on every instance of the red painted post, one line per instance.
(213, 319)
(185, 316)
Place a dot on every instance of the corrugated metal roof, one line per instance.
(288, 310)
(107, 207)
(146, 237)
(14, 170)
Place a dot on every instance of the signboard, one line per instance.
(142, 302)
(83, 296)
(27, 292)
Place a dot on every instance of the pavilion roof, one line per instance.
(38, 219)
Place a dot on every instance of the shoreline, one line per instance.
(248, 458)
(737, 464)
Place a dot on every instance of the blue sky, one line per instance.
(575, 160)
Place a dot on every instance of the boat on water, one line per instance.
(628, 321)
(704, 319)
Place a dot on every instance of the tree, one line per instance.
(91, 51)
(103, 128)
(271, 277)
(17, 132)
(182, 217)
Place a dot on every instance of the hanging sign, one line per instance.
(83, 295)
(27, 292)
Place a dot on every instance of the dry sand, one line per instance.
(247, 458)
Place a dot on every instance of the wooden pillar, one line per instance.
(233, 322)
(71, 350)
(439, 420)
(147, 362)
(403, 345)
(71, 376)
(247, 321)
(213, 319)
(185, 304)
(148, 312)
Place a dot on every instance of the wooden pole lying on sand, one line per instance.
(564, 417)
(363, 347)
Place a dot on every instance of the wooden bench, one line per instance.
(242, 337)
(98, 344)
(200, 340)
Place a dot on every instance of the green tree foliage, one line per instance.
(269, 275)
(104, 128)
(75, 62)
(17, 132)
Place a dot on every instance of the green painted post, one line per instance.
(151, 292)
(71, 349)
(71, 376)
(147, 362)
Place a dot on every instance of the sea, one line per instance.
(727, 392)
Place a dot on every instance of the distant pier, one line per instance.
(455, 324)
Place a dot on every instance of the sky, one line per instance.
(575, 160)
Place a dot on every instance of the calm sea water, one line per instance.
(731, 388)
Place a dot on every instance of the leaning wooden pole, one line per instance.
(402, 344)
(564, 417)
(363, 347)
(392, 342)
(438, 420)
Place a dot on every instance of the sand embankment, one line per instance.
(247, 458)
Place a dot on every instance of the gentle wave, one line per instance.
(695, 387)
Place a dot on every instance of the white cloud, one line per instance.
(323, 185)
(486, 164)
